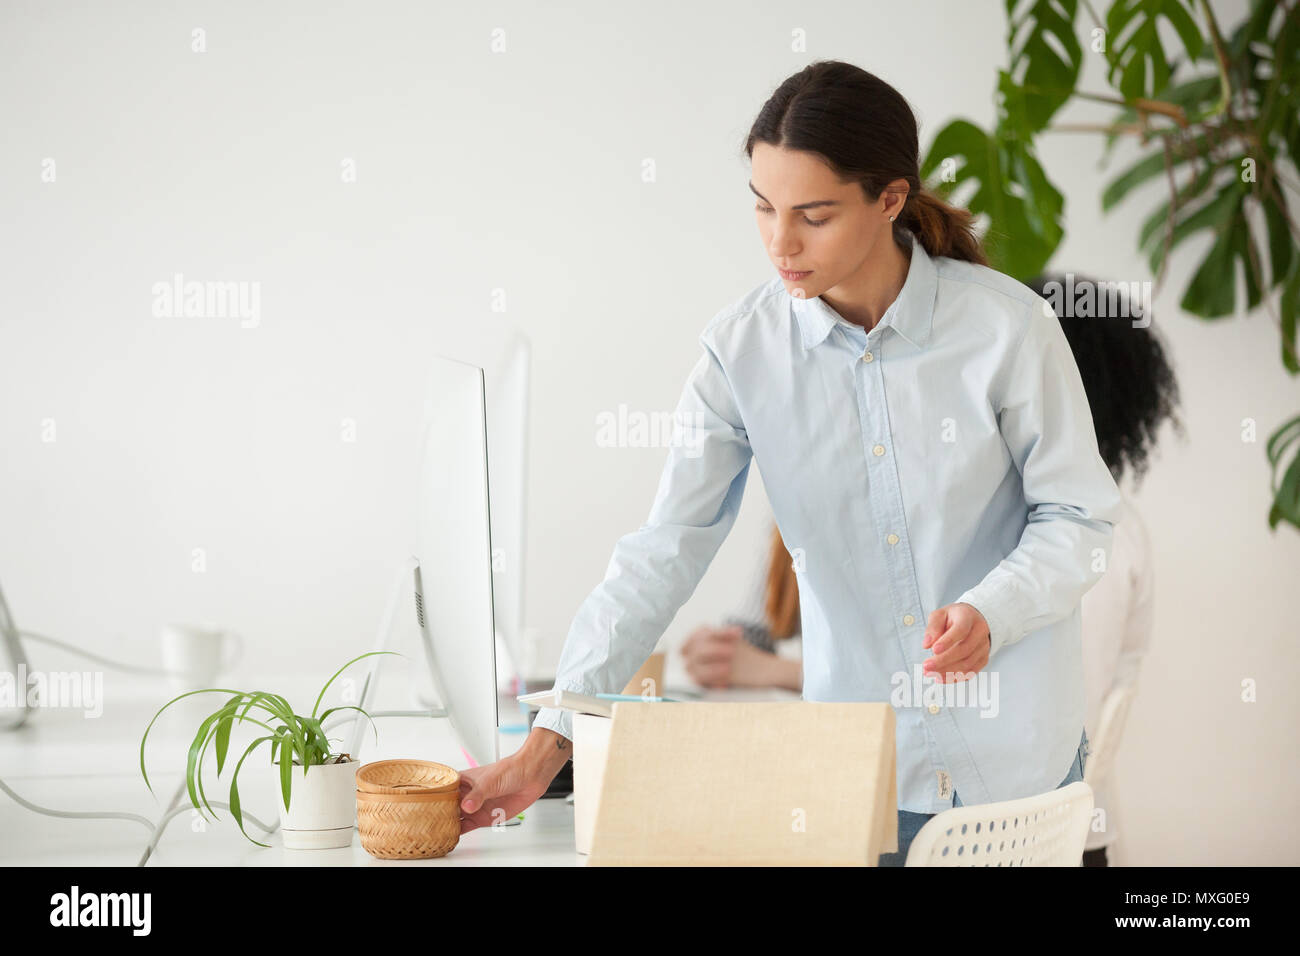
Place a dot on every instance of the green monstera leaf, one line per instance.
(1290, 306)
(1139, 66)
(1045, 58)
(1286, 493)
(998, 176)
(1212, 291)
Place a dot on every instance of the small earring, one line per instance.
(891, 218)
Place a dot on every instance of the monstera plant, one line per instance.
(1216, 114)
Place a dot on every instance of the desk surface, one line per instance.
(66, 760)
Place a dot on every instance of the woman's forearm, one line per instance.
(786, 672)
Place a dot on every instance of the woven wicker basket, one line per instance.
(407, 776)
(408, 809)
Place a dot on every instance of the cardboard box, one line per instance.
(754, 783)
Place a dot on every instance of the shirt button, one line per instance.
(878, 450)
(868, 357)
(892, 539)
(908, 619)
(934, 708)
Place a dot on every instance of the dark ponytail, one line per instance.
(865, 131)
(944, 230)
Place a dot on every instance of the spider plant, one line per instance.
(294, 738)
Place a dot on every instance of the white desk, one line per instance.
(66, 761)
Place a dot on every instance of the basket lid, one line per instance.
(407, 797)
(407, 776)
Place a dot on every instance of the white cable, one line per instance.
(117, 665)
(157, 828)
(72, 814)
(162, 825)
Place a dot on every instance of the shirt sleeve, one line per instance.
(655, 569)
(1137, 630)
(1107, 611)
(1073, 501)
(1117, 618)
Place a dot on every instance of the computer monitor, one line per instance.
(506, 371)
(453, 574)
(503, 352)
(467, 569)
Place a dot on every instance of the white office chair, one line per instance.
(1110, 728)
(1048, 829)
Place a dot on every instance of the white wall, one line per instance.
(519, 171)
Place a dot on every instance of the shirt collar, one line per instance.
(910, 315)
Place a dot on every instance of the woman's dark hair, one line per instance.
(863, 129)
(1130, 384)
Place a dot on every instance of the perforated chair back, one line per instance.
(1048, 829)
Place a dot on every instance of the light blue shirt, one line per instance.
(948, 455)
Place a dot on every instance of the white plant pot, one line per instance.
(322, 810)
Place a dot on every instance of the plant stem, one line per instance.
(1140, 103)
(1220, 59)
(1134, 128)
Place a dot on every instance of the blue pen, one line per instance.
(635, 697)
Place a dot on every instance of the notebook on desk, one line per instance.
(601, 705)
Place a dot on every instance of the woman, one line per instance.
(927, 449)
(1131, 390)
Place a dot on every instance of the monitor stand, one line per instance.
(406, 582)
(11, 647)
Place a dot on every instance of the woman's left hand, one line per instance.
(960, 637)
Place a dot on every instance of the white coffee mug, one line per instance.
(195, 654)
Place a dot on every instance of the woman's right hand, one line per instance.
(497, 792)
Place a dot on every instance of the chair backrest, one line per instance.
(1048, 829)
(1110, 728)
